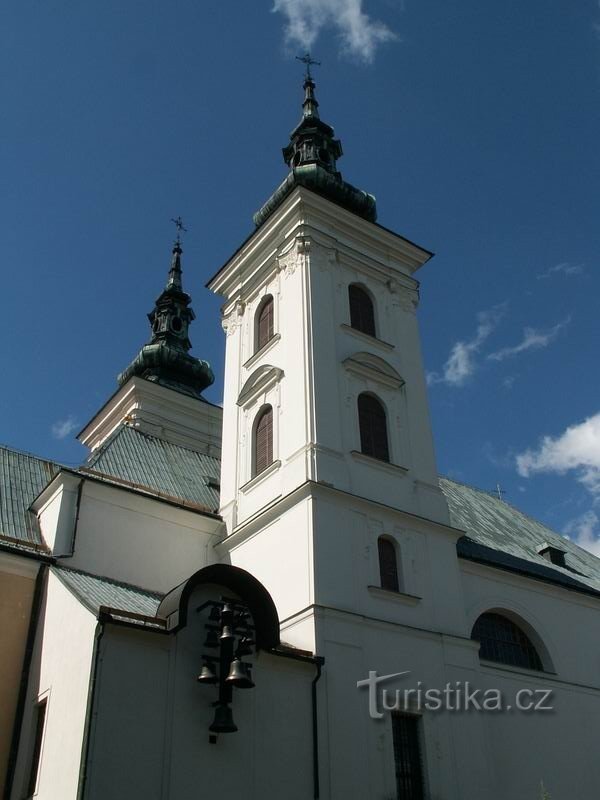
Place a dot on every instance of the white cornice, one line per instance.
(306, 214)
(160, 412)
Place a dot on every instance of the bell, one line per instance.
(226, 633)
(223, 721)
(239, 676)
(212, 640)
(207, 675)
(244, 648)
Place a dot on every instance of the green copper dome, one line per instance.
(312, 156)
(166, 358)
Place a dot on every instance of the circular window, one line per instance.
(176, 324)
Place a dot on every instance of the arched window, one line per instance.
(264, 323)
(362, 313)
(373, 427)
(388, 564)
(263, 440)
(503, 641)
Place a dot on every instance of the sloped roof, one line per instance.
(22, 478)
(96, 590)
(503, 536)
(160, 466)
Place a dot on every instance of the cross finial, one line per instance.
(500, 491)
(306, 59)
(178, 222)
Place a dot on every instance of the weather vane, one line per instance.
(306, 59)
(179, 225)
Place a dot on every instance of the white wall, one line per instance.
(129, 537)
(150, 739)
(60, 671)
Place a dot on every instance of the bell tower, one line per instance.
(332, 401)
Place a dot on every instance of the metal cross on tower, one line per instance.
(178, 222)
(306, 59)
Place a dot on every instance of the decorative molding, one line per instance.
(406, 299)
(263, 350)
(365, 337)
(273, 467)
(377, 462)
(372, 367)
(262, 379)
(294, 256)
(233, 320)
(396, 597)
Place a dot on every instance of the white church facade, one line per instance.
(208, 602)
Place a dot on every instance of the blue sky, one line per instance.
(476, 125)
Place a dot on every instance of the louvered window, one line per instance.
(407, 757)
(362, 313)
(263, 440)
(503, 641)
(388, 565)
(264, 323)
(373, 427)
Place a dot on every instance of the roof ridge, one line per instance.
(491, 496)
(20, 452)
(147, 435)
(112, 581)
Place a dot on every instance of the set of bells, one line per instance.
(227, 670)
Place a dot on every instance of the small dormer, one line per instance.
(555, 555)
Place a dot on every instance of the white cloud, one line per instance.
(462, 361)
(564, 268)
(583, 531)
(64, 427)
(360, 35)
(509, 382)
(578, 449)
(532, 340)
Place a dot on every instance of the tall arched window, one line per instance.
(373, 427)
(264, 323)
(263, 440)
(362, 313)
(503, 641)
(388, 564)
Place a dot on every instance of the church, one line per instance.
(281, 597)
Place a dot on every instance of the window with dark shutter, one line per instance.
(388, 565)
(39, 721)
(264, 323)
(407, 757)
(362, 313)
(503, 641)
(263, 440)
(373, 427)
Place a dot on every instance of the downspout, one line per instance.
(89, 712)
(36, 604)
(318, 661)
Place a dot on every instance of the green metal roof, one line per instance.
(503, 536)
(22, 478)
(160, 466)
(95, 591)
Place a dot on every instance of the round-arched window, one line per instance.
(502, 640)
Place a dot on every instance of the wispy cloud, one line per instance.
(359, 34)
(462, 361)
(577, 449)
(533, 339)
(64, 427)
(564, 268)
(583, 530)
